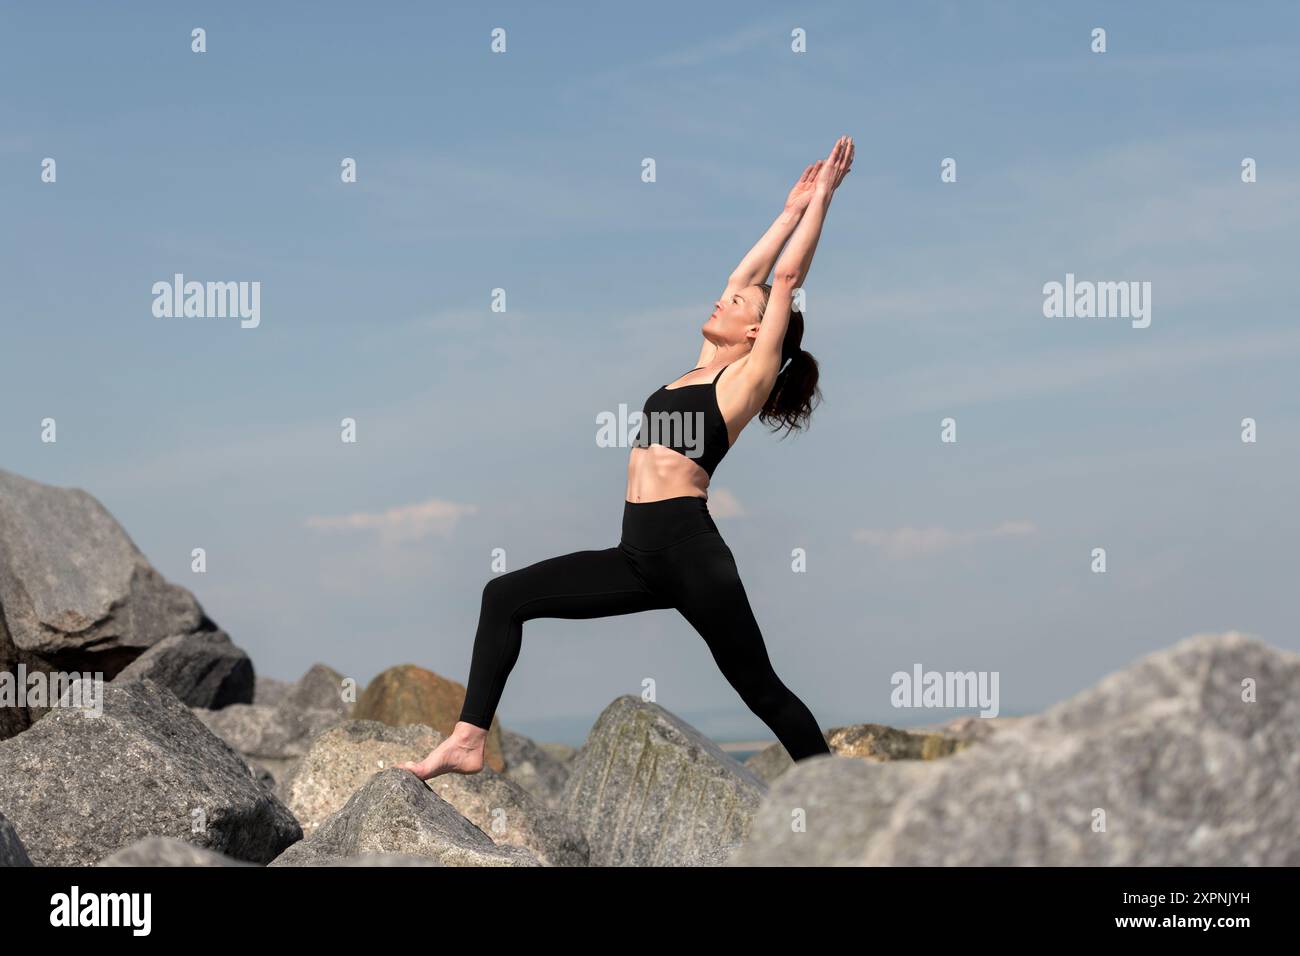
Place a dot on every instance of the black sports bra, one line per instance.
(688, 421)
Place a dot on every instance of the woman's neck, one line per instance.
(724, 355)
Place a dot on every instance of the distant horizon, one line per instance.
(699, 719)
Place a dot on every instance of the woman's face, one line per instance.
(735, 316)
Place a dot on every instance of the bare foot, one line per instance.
(462, 752)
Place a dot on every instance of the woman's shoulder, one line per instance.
(738, 397)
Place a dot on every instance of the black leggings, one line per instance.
(670, 556)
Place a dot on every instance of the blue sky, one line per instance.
(477, 430)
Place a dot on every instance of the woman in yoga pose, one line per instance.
(671, 554)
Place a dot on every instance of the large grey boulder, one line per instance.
(12, 851)
(274, 737)
(168, 851)
(76, 594)
(1164, 763)
(204, 669)
(394, 812)
(536, 768)
(79, 787)
(344, 758)
(647, 789)
(74, 588)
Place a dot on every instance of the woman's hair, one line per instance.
(795, 392)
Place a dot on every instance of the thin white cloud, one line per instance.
(402, 523)
(723, 504)
(902, 544)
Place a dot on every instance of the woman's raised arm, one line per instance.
(792, 267)
(757, 263)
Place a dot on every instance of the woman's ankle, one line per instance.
(468, 734)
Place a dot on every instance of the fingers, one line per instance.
(843, 158)
(834, 167)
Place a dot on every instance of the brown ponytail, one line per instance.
(795, 392)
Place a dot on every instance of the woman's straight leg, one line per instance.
(712, 598)
(584, 584)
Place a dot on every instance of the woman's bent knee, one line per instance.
(501, 593)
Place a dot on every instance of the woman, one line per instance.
(671, 554)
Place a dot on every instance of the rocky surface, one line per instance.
(868, 742)
(559, 752)
(647, 789)
(204, 669)
(344, 758)
(168, 851)
(1188, 757)
(540, 769)
(971, 728)
(270, 690)
(78, 787)
(272, 738)
(12, 851)
(412, 695)
(394, 812)
(1163, 763)
(370, 859)
(15, 716)
(879, 742)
